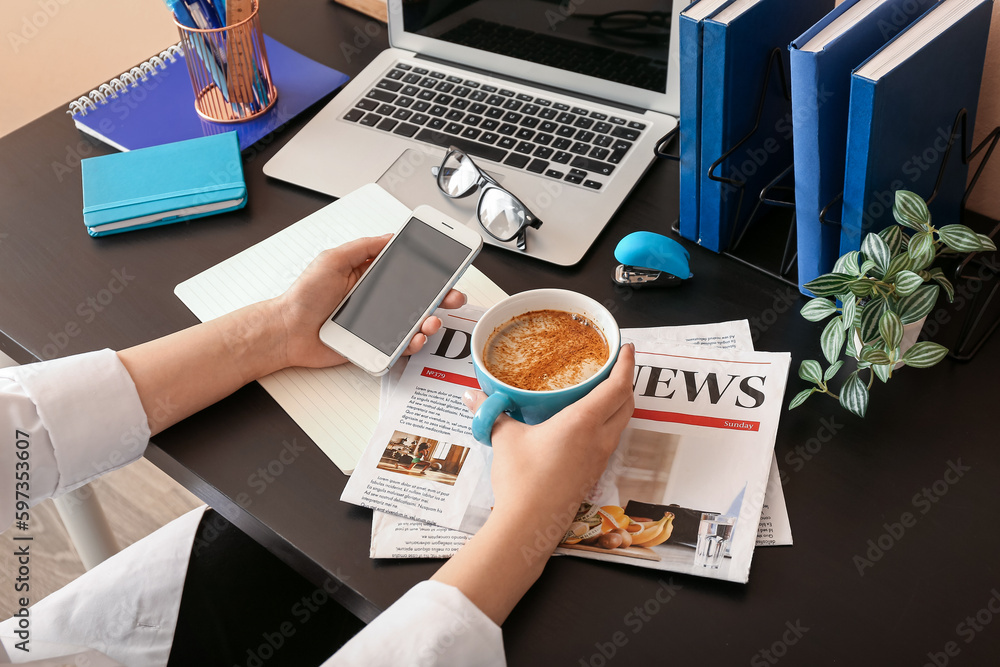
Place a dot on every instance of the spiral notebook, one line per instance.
(153, 103)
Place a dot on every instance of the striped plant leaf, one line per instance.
(800, 398)
(874, 355)
(937, 275)
(910, 210)
(851, 350)
(912, 308)
(867, 266)
(832, 370)
(875, 249)
(925, 354)
(811, 371)
(870, 316)
(854, 395)
(818, 308)
(848, 263)
(900, 262)
(861, 288)
(891, 329)
(921, 250)
(883, 371)
(893, 237)
(831, 341)
(907, 282)
(849, 310)
(960, 238)
(829, 284)
(987, 242)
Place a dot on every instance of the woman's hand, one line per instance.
(540, 475)
(549, 468)
(322, 286)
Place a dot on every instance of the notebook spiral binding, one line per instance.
(122, 83)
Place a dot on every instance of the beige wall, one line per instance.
(986, 197)
(55, 50)
(52, 51)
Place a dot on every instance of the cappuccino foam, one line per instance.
(543, 350)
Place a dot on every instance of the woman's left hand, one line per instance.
(319, 290)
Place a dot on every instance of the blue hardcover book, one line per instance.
(154, 103)
(821, 61)
(162, 184)
(690, 34)
(736, 48)
(904, 100)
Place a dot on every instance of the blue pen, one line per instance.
(206, 54)
(204, 14)
(220, 9)
(181, 13)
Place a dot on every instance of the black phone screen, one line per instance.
(398, 287)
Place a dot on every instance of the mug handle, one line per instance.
(482, 422)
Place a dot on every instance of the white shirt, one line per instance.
(80, 417)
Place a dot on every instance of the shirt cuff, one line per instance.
(92, 412)
(433, 624)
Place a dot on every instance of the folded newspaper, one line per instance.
(700, 443)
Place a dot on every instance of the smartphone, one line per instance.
(403, 285)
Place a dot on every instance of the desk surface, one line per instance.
(864, 584)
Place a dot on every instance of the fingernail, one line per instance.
(468, 399)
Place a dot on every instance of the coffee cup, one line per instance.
(544, 312)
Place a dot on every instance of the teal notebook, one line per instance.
(163, 184)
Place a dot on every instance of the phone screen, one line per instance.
(397, 289)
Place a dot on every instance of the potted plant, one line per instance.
(879, 298)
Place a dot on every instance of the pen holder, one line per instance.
(229, 70)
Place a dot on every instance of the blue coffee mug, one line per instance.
(534, 407)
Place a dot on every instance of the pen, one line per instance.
(204, 14)
(180, 12)
(204, 51)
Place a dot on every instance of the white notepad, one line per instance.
(336, 407)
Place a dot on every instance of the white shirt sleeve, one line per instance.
(63, 423)
(434, 624)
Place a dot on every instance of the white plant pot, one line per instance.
(911, 332)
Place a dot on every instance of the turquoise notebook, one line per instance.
(163, 184)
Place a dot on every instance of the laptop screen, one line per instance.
(605, 41)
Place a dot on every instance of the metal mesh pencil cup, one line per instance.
(229, 70)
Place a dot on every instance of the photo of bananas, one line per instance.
(609, 529)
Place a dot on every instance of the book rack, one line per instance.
(750, 243)
(753, 244)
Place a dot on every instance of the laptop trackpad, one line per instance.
(410, 180)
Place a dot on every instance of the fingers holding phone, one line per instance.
(387, 308)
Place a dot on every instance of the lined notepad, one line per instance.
(336, 407)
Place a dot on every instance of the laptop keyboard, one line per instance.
(570, 143)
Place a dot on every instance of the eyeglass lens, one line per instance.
(458, 176)
(500, 214)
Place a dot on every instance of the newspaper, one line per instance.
(701, 440)
(396, 537)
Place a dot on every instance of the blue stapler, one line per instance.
(650, 259)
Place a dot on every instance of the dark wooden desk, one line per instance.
(848, 482)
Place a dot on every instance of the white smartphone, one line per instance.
(403, 285)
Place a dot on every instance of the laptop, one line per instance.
(561, 101)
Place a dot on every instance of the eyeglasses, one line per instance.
(501, 214)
